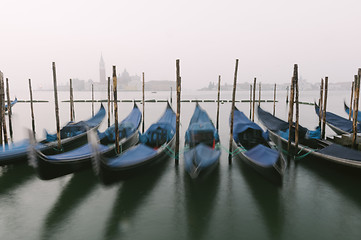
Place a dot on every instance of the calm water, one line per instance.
(316, 200)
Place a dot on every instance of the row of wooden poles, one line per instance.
(3, 128)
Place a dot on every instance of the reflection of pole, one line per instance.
(56, 107)
(218, 96)
(115, 109)
(232, 112)
(178, 77)
(324, 109)
(32, 108)
(143, 106)
(108, 101)
(9, 109)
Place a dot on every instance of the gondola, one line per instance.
(347, 110)
(308, 145)
(202, 144)
(52, 166)
(252, 147)
(337, 123)
(11, 104)
(72, 135)
(156, 144)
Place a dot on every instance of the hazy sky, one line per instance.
(267, 37)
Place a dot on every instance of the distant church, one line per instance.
(125, 80)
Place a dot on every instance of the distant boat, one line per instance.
(201, 144)
(52, 166)
(309, 147)
(156, 145)
(254, 149)
(72, 135)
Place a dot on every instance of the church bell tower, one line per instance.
(102, 76)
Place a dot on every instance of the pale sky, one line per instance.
(323, 37)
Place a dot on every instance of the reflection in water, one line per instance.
(13, 176)
(267, 196)
(344, 179)
(130, 196)
(201, 195)
(73, 194)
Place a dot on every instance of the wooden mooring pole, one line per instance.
(324, 109)
(92, 100)
(32, 108)
(274, 100)
(232, 112)
(56, 107)
(218, 96)
(143, 101)
(320, 103)
(2, 96)
(250, 101)
(1, 111)
(352, 90)
(9, 109)
(290, 118)
(287, 94)
(108, 101)
(355, 110)
(254, 98)
(259, 94)
(297, 106)
(178, 79)
(71, 102)
(115, 110)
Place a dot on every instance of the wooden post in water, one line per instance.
(232, 112)
(290, 118)
(92, 100)
(254, 98)
(143, 105)
(171, 96)
(108, 101)
(287, 94)
(9, 109)
(320, 103)
(111, 99)
(250, 101)
(71, 102)
(259, 94)
(56, 107)
(297, 106)
(1, 111)
(355, 110)
(32, 108)
(324, 109)
(218, 96)
(350, 109)
(115, 110)
(2, 95)
(274, 100)
(178, 78)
